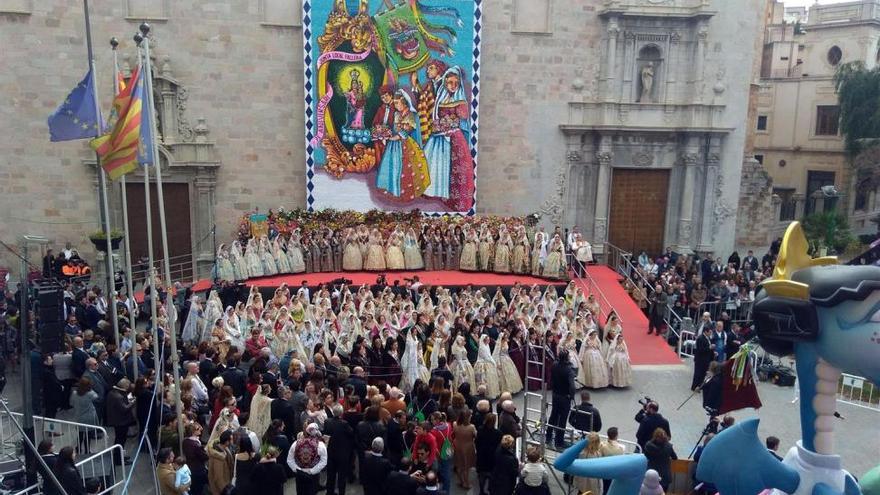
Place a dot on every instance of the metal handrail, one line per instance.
(621, 261)
(594, 288)
(64, 433)
(101, 465)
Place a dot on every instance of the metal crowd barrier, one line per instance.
(738, 312)
(100, 465)
(61, 433)
(858, 391)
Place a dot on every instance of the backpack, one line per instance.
(446, 450)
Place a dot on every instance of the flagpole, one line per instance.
(129, 285)
(172, 314)
(150, 276)
(102, 184)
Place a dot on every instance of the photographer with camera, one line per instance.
(562, 380)
(649, 419)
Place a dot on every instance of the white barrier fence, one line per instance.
(81, 437)
(858, 391)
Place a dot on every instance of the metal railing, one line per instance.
(79, 436)
(100, 465)
(183, 268)
(621, 261)
(739, 311)
(579, 272)
(858, 391)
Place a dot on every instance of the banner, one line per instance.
(392, 116)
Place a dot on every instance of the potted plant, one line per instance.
(99, 239)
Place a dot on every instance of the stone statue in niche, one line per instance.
(646, 76)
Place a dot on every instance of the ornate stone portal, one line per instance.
(186, 156)
(651, 114)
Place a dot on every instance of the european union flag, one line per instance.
(77, 117)
(145, 142)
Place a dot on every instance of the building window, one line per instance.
(759, 159)
(835, 55)
(815, 181)
(827, 120)
(788, 205)
(762, 122)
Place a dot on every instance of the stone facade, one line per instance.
(544, 78)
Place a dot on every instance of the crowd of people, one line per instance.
(433, 244)
(412, 380)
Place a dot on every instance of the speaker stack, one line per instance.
(49, 308)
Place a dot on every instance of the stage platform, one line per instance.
(444, 278)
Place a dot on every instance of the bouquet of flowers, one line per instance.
(380, 132)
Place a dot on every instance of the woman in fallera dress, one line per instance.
(315, 252)
(468, 260)
(352, 259)
(254, 263)
(453, 249)
(375, 260)
(520, 258)
(508, 375)
(439, 250)
(326, 252)
(619, 366)
(412, 256)
(281, 259)
(394, 254)
(269, 266)
(539, 253)
(502, 251)
(239, 265)
(595, 369)
(486, 250)
(462, 370)
(554, 265)
(225, 270)
(486, 369)
(426, 241)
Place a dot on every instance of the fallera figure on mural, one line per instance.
(393, 85)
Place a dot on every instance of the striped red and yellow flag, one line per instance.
(118, 150)
(120, 82)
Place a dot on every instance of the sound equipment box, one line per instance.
(778, 374)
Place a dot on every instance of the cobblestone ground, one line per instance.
(858, 439)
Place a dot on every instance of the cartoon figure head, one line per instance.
(836, 308)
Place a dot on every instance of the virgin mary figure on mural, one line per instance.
(403, 172)
(447, 150)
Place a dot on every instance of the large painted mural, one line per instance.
(392, 91)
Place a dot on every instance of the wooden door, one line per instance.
(177, 217)
(638, 209)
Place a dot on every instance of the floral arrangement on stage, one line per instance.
(283, 222)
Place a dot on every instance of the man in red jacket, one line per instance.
(425, 440)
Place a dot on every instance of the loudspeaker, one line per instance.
(52, 337)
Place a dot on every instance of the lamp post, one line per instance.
(26, 372)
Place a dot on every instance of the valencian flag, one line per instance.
(738, 389)
(77, 117)
(118, 150)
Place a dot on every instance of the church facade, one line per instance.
(626, 118)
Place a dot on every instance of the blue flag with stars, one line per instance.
(77, 117)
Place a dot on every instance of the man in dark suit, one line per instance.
(400, 482)
(340, 448)
(586, 417)
(375, 469)
(78, 364)
(703, 355)
(562, 382)
(442, 371)
(772, 446)
(359, 381)
(431, 487)
(649, 419)
(282, 408)
(235, 378)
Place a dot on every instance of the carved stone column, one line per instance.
(699, 63)
(603, 187)
(611, 59)
(205, 185)
(685, 218)
(710, 194)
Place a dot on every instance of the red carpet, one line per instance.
(644, 349)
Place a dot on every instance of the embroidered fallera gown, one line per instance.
(486, 369)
